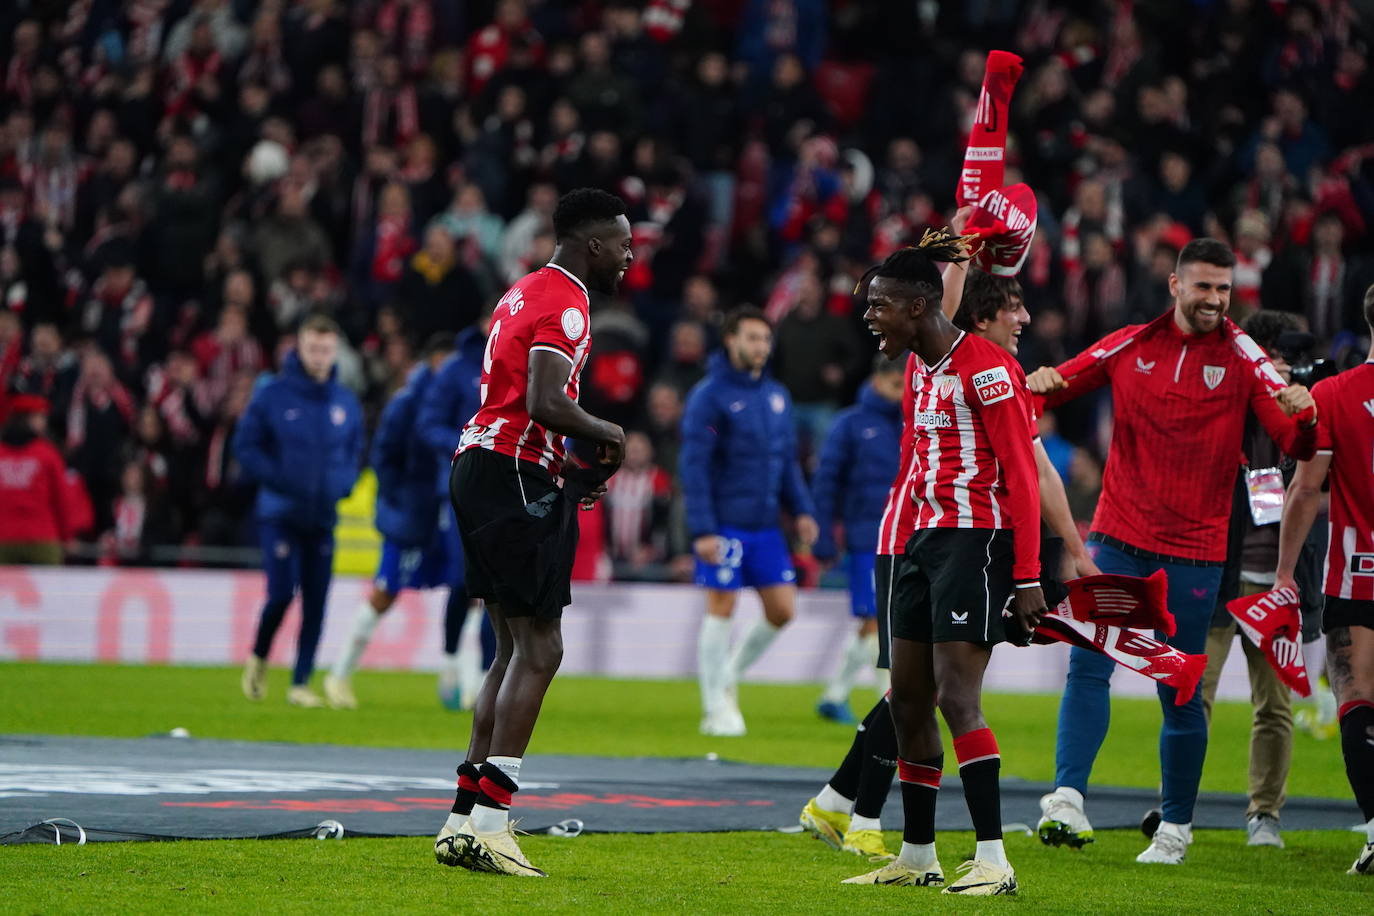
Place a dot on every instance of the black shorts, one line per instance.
(1347, 612)
(519, 532)
(952, 585)
(884, 567)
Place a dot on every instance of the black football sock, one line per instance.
(1357, 746)
(980, 766)
(920, 790)
(846, 778)
(879, 761)
(466, 796)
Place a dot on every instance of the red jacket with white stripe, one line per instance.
(1345, 412)
(1179, 403)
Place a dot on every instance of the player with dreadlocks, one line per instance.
(975, 553)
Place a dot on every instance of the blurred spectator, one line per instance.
(686, 364)
(288, 236)
(637, 504)
(99, 420)
(437, 293)
(1253, 257)
(817, 356)
(119, 311)
(36, 520)
(518, 243)
(1321, 281)
(140, 519)
(1095, 290)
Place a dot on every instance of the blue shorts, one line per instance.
(440, 564)
(753, 559)
(862, 601)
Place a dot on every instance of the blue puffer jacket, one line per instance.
(302, 440)
(858, 463)
(450, 401)
(738, 463)
(407, 506)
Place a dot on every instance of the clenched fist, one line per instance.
(1045, 380)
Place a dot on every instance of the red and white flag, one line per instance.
(1128, 648)
(1121, 601)
(1273, 622)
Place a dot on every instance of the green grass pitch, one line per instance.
(674, 873)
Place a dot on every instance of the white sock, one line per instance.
(1072, 795)
(455, 822)
(449, 669)
(882, 681)
(1314, 659)
(827, 799)
(754, 644)
(489, 820)
(859, 822)
(917, 855)
(991, 851)
(1369, 831)
(364, 625)
(509, 766)
(713, 660)
(860, 652)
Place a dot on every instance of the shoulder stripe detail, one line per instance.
(551, 349)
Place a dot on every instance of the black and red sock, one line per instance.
(920, 789)
(495, 789)
(1357, 746)
(980, 767)
(466, 796)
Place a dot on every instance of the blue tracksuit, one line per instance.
(857, 465)
(738, 468)
(407, 506)
(302, 441)
(449, 401)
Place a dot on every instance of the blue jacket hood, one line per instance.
(870, 399)
(293, 371)
(719, 366)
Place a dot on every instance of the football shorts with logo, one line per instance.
(952, 584)
(439, 563)
(752, 559)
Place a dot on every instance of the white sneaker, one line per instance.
(500, 854)
(1263, 830)
(454, 847)
(305, 698)
(1364, 865)
(983, 879)
(1062, 821)
(723, 723)
(1169, 846)
(254, 679)
(339, 692)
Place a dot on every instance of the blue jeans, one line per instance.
(295, 558)
(1085, 710)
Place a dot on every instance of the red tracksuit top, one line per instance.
(1179, 408)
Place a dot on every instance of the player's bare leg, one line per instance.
(1350, 666)
(719, 708)
(338, 683)
(920, 763)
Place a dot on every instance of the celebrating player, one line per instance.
(420, 545)
(1181, 385)
(738, 463)
(974, 470)
(1345, 444)
(519, 528)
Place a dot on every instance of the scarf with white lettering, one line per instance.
(1272, 621)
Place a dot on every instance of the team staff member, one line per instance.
(1345, 450)
(1182, 385)
(301, 439)
(858, 461)
(419, 547)
(738, 467)
(519, 527)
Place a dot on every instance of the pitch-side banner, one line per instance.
(192, 617)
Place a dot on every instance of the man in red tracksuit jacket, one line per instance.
(33, 490)
(1181, 388)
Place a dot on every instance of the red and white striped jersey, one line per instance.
(545, 310)
(1345, 418)
(973, 463)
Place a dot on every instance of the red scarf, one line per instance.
(1272, 622)
(984, 159)
(99, 399)
(1005, 220)
(381, 104)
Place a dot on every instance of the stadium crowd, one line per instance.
(182, 182)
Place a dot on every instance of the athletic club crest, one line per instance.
(1212, 376)
(946, 388)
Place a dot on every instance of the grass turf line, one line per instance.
(672, 873)
(598, 716)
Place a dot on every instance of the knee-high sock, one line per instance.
(713, 660)
(754, 644)
(365, 622)
(920, 789)
(455, 615)
(879, 762)
(980, 766)
(860, 653)
(1357, 746)
(847, 777)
